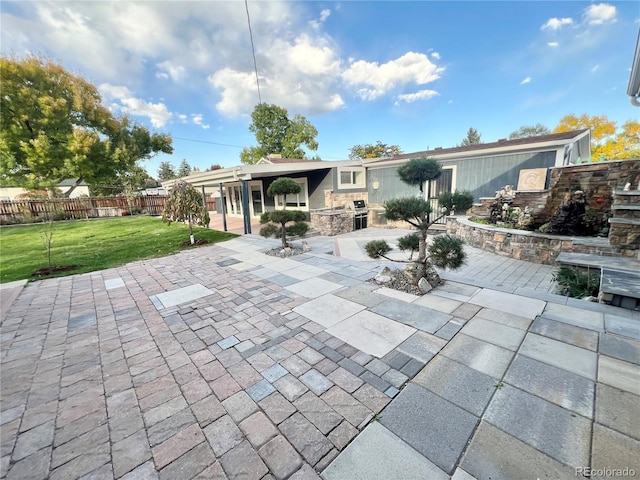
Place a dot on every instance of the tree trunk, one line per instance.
(284, 237)
(191, 232)
(421, 266)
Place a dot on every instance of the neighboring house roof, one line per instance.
(277, 159)
(634, 80)
(68, 182)
(529, 142)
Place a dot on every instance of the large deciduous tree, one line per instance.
(607, 140)
(126, 183)
(445, 251)
(527, 131)
(55, 126)
(276, 133)
(378, 150)
(472, 138)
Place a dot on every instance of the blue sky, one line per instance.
(415, 74)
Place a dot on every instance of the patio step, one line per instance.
(619, 278)
(588, 260)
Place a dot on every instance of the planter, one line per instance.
(524, 245)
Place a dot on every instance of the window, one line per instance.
(298, 201)
(351, 178)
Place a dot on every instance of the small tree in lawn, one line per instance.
(283, 186)
(185, 204)
(445, 251)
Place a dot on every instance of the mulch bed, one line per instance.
(51, 270)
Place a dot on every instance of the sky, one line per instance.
(415, 74)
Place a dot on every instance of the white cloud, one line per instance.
(526, 80)
(556, 23)
(419, 95)
(600, 13)
(197, 119)
(553, 44)
(122, 100)
(240, 94)
(309, 58)
(182, 118)
(301, 74)
(595, 68)
(149, 49)
(167, 69)
(324, 14)
(376, 80)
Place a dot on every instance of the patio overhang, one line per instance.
(634, 80)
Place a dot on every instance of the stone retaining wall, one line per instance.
(624, 226)
(524, 245)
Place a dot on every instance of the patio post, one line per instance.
(245, 207)
(204, 199)
(224, 215)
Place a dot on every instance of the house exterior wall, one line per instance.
(11, 193)
(317, 182)
(480, 175)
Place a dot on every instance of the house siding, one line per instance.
(482, 175)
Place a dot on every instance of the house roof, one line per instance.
(260, 170)
(529, 142)
(273, 160)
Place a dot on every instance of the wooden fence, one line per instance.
(18, 211)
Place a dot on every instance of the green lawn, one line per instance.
(93, 245)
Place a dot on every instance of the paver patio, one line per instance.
(272, 368)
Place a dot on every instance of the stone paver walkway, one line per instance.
(274, 366)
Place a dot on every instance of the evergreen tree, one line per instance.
(472, 138)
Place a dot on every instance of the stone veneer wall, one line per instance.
(624, 226)
(332, 222)
(340, 200)
(597, 180)
(524, 245)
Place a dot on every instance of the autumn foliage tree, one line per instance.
(608, 141)
(377, 150)
(185, 204)
(54, 126)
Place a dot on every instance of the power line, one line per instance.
(205, 141)
(253, 51)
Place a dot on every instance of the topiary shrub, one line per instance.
(417, 212)
(283, 186)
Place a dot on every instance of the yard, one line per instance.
(92, 245)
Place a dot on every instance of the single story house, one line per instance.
(481, 169)
(12, 193)
(322, 184)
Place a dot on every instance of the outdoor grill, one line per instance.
(360, 213)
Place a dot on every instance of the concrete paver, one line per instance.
(120, 374)
(378, 453)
